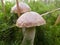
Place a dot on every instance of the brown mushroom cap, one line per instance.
(23, 8)
(30, 19)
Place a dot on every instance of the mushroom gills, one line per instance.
(29, 36)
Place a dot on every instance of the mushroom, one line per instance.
(28, 21)
(20, 8)
(23, 8)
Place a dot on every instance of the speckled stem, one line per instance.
(29, 36)
(23, 31)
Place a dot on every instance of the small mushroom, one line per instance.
(28, 21)
(23, 8)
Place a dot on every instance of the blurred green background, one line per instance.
(48, 34)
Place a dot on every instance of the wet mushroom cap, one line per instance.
(30, 19)
(23, 8)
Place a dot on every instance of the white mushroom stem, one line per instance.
(23, 31)
(50, 11)
(29, 36)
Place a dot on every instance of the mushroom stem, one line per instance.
(23, 31)
(29, 36)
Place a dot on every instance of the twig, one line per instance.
(57, 20)
(18, 8)
(3, 7)
(9, 27)
(50, 11)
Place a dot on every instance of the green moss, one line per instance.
(45, 35)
